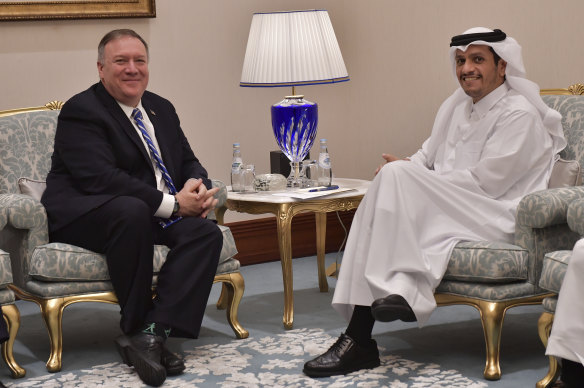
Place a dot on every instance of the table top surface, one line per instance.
(358, 187)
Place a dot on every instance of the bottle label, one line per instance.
(236, 166)
(324, 160)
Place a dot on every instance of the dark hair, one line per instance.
(116, 34)
(495, 56)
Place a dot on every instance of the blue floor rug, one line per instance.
(270, 361)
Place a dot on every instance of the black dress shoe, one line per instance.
(173, 364)
(572, 375)
(143, 352)
(391, 308)
(345, 356)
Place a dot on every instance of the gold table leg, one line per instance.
(284, 223)
(320, 249)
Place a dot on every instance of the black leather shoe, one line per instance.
(143, 352)
(345, 356)
(572, 375)
(391, 308)
(173, 364)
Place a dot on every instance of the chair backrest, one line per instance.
(570, 103)
(26, 144)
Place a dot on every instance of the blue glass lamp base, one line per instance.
(294, 122)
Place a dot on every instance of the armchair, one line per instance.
(493, 276)
(554, 269)
(55, 275)
(9, 310)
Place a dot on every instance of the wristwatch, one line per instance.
(176, 207)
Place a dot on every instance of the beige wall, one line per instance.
(395, 52)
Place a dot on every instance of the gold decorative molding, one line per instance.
(54, 105)
(576, 89)
(79, 9)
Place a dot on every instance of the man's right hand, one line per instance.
(388, 159)
(195, 200)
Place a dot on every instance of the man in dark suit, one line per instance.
(123, 178)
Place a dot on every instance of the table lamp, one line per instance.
(293, 48)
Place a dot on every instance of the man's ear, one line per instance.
(501, 68)
(99, 69)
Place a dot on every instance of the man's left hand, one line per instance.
(195, 200)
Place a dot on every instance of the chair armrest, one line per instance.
(26, 228)
(547, 207)
(576, 216)
(23, 211)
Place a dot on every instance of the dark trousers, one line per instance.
(126, 233)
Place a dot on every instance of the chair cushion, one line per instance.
(565, 173)
(58, 262)
(5, 269)
(487, 262)
(32, 187)
(554, 269)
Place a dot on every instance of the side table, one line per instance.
(285, 208)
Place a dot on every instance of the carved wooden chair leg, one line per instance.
(223, 298)
(52, 312)
(544, 328)
(12, 316)
(492, 315)
(232, 291)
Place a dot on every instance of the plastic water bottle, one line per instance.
(236, 178)
(324, 165)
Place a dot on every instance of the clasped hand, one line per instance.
(195, 200)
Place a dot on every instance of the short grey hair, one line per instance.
(117, 34)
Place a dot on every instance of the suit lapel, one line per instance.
(116, 111)
(118, 114)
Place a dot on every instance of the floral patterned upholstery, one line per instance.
(6, 294)
(45, 271)
(475, 266)
(555, 264)
(554, 269)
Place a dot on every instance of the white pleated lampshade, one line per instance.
(291, 49)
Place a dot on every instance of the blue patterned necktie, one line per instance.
(137, 116)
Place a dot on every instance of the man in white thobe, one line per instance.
(567, 338)
(494, 140)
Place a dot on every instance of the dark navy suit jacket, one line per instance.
(98, 155)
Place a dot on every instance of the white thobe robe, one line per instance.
(492, 154)
(567, 337)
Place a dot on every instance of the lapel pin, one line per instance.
(153, 114)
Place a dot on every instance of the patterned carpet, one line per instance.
(448, 352)
(270, 361)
